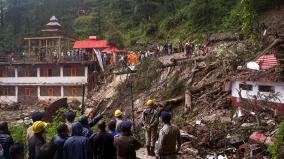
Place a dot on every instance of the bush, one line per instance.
(274, 149)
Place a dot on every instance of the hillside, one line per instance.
(198, 90)
(129, 23)
(210, 111)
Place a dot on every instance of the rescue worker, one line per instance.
(169, 141)
(87, 125)
(126, 144)
(37, 140)
(59, 139)
(48, 151)
(118, 119)
(103, 147)
(70, 117)
(36, 116)
(76, 146)
(111, 127)
(150, 120)
(6, 140)
(17, 151)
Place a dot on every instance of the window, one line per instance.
(263, 88)
(50, 91)
(246, 87)
(27, 71)
(49, 71)
(7, 91)
(4, 73)
(73, 71)
(7, 71)
(73, 91)
(28, 92)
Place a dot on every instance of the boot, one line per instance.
(148, 150)
(152, 151)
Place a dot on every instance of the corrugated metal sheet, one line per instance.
(267, 61)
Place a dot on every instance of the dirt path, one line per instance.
(142, 154)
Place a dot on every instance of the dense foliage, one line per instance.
(127, 22)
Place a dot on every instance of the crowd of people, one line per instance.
(76, 140)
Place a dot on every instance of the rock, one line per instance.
(248, 124)
(186, 137)
(235, 140)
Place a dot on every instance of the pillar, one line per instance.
(38, 92)
(62, 91)
(38, 72)
(46, 47)
(86, 71)
(16, 72)
(59, 46)
(61, 71)
(29, 45)
(16, 93)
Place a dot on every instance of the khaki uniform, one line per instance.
(69, 126)
(169, 142)
(30, 132)
(126, 145)
(150, 119)
(118, 122)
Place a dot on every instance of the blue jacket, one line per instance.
(103, 146)
(34, 144)
(58, 141)
(87, 125)
(77, 146)
(6, 141)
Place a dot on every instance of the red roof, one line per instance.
(267, 61)
(90, 44)
(113, 49)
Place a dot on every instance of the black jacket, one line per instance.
(6, 141)
(103, 146)
(34, 144)
(58, 141)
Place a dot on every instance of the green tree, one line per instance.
(83, 27)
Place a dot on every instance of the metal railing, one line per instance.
(44, 58)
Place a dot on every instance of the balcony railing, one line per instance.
(18, 59)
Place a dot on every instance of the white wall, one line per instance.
(59, 80)
(279, 88)
(8, 99)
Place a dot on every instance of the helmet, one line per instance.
(38, 126)
(117, 113)
(150, 103)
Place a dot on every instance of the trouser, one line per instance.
(151, 135)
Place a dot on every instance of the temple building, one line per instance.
(50, 70)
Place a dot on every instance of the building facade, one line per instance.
(29, 83)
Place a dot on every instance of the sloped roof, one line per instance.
(53, 21)
(90, 44)
(267, 61)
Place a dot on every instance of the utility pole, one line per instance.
(83, 100)
(132, 104)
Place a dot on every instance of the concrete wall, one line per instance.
(278, 87)
(62, 80)
(42, 81)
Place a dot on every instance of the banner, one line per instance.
(99, 57)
